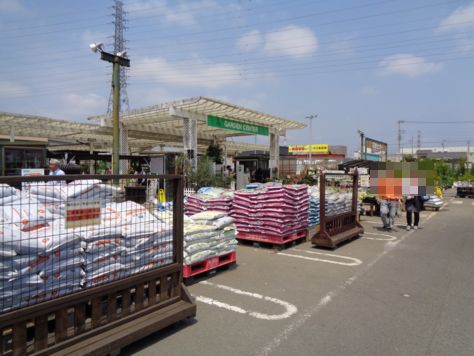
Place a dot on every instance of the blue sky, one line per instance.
(357, 64)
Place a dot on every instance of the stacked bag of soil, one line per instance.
(314, 207)
(39, 258)
(208, 234)
(129, 240)
(272, 209)
(42, 258)
(338, 203)
(209, 198)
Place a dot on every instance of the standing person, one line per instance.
(388, 210)
(54, 170)
(413, 206)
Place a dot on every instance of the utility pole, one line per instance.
(418, 140)
(400, 132)
(310, 118)
(362, 155)
(412, 147)
(443, 143)
(118, 60)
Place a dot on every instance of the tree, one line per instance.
(215, 153)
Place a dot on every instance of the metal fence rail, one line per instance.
(78, 253)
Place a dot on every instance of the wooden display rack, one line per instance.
(102, 320)
(338, 228)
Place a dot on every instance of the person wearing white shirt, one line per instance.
(54, 170)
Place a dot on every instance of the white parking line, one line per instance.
(290, 308)
(372, 222)
(390, 237)
(459, 202)
(354, 261)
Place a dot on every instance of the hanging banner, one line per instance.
(315, 148)
(222, 123)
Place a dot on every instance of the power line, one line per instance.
(272, 59)
(230, 79)
(37, 62)
(154, 16)
(213, 40)
(292, 18)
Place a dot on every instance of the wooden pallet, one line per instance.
(274, 241)
(209, 265)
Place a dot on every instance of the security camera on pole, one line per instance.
(119, 59)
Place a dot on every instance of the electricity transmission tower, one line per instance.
(119, 46)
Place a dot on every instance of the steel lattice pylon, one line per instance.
(119, 46)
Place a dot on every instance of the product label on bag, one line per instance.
(82, 213)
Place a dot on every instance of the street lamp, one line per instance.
(119, 59)
(310, 118)
(361, 133)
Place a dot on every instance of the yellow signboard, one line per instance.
(318, 148)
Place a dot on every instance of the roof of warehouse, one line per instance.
(160, 118)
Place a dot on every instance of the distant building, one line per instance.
(445, 153)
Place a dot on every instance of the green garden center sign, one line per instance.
(227, 124)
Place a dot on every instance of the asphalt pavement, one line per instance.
(386, 293)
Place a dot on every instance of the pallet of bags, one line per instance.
(208, 235)
(39, 264)
(276, 210)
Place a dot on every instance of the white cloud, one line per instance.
(82, 105)
(408, 65)
(460, 19)
(464, 42)
(11, 89)
(195, 73)
(291, 41)
(250, 41)
(11, 6)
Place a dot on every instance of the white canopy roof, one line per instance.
(165, 118)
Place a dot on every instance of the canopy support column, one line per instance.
(91, 161)
(190, 141)
(274, 154)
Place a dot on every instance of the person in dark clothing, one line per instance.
(413, 206)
